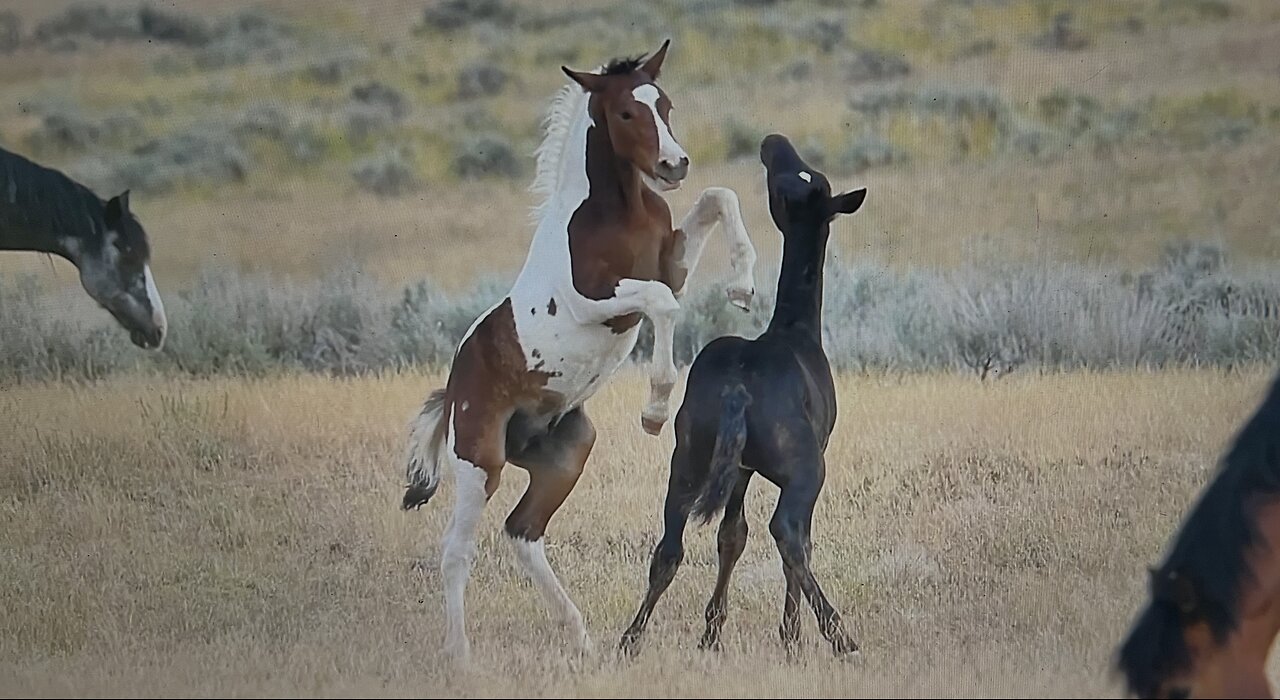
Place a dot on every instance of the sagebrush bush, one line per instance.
(1192, 309)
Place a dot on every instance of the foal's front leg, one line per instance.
(655, 300)
(716, 205)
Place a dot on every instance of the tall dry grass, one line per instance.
(242, 537)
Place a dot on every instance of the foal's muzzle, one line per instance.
(673, 172)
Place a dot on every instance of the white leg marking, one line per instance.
(720, 204)
(458, 553)
(662, 377)
(630, 296)
(533, 559)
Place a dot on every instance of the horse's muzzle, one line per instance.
(673, 173)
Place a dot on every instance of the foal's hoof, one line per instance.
(629, 645)
(741, 297)
(652, 426)
(848, 652)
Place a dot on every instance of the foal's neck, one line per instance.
(615, 183)
(799, 295)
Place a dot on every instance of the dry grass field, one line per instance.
(242, 537)
(221, 518)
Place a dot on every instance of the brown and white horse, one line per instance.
(604, 253)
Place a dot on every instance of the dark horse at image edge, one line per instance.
(1213, 607)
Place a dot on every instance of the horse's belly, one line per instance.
(576, 359)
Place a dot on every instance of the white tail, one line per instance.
(422, 456)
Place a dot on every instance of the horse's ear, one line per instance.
(117, 207)
(590, 82)
(653, 66)
(1183, 592)
(849, 202)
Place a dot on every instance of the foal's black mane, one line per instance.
(1201, 576)
(40, 200)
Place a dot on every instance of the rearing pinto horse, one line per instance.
(1214, 607)
(604, 253)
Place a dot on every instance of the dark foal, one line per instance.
(766, 405)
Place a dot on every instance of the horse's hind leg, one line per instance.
(790, 527)
(473, 487)
(669, 552)
(554, 464)
(789, 630)
(730, 541)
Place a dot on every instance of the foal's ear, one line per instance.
(117, 207)
(591, 82)
(653, 66)
(849, 202)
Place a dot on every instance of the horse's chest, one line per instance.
(578, 359)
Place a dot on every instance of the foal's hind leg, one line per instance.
(473, 487)
(669, 551)
(554, 464)
(790, 528)
(730, 542)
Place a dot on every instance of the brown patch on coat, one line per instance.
(623, 229)
(492, 380)
(551, 306)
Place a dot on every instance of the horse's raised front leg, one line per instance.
(716, 205)
(662, 374)
(655, 300)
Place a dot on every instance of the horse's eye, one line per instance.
(626, 116)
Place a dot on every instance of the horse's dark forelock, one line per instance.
(1211, 549)
(622, 65)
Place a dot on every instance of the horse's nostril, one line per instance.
(672, 171)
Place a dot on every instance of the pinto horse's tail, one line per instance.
(727, 456)
(422, 458)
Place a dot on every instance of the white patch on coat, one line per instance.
(669, 150)
(804, 175)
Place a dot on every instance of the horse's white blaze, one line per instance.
(804, 175)
(458, 550)
(533, 560)
(669, 151)
(153, 296)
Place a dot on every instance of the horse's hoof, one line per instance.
(629, 646)
(741, 298)
(652, 426)
(850, 654)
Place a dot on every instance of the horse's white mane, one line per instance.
(567, 103)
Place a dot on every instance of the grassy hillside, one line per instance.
(288, 137)
(243, 537)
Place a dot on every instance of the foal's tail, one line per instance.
(422, 458)
(727, 457)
